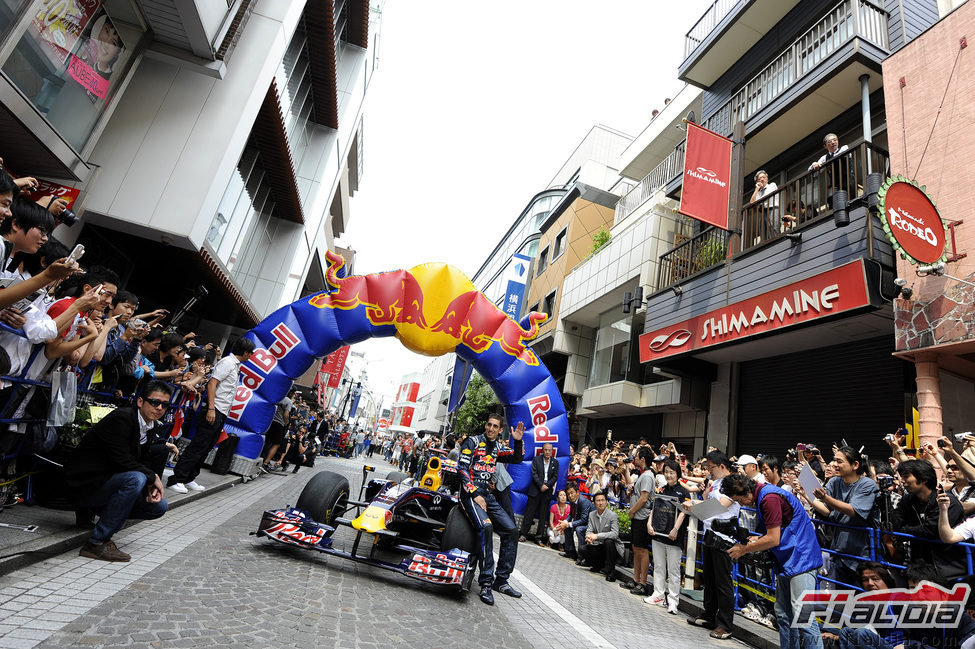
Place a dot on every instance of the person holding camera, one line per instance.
(918, 514)
(719, 599)
(791, 538)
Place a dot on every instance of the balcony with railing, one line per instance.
(786, 212)
(671, 167)
(724, 33)
(847, 21)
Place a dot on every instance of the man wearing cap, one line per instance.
(749, 466)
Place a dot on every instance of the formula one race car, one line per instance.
(417, 527)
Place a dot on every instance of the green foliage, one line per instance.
(600, 239)
(479, 402)
(624, 518)
(711, 253)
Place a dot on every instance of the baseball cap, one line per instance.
(746, 459)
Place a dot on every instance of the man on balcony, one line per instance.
(765, 224)
(839, 175)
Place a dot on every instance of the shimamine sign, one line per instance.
(835, 291)
(707, 176)
(912, 221)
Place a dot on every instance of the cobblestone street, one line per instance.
(198, 579)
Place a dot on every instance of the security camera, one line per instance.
(900, 281)
(933, 269)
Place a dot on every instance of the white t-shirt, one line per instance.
(966, 529)
(226, 372)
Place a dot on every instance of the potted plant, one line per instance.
(711, 253)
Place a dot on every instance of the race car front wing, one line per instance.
(294, 527)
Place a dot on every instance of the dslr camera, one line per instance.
(730, 527)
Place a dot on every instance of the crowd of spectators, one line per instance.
(871, 524)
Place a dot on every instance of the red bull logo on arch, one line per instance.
(433, 309)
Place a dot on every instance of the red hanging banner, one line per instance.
(706, 187)
(333, 365)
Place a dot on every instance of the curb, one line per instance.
(756, 635)
(59, 541)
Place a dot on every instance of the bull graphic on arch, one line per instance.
(433, 309)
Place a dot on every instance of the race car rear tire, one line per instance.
(397, 477)
(325, 497)
(459, 533)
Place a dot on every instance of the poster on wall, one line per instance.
(59, 25)
(96, 55)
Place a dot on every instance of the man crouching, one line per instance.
(109, 474)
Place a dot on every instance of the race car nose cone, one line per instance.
(373, 520)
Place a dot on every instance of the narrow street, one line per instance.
(197, 578)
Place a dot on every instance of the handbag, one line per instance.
(64, 398)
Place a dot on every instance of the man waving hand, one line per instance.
(479, 456)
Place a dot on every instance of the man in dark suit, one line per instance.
(545, 473)
(108, 471)
(574, 527)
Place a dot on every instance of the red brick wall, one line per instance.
(948, 165)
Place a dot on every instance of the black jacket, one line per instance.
(538, 479)
(911, 516)
(110, 447)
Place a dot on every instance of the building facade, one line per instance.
(217, 142)
(935, 319)
(734, 345)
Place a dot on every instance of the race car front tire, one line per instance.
(459, 533)
(325, 497)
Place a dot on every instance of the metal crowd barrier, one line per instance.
(750, 579)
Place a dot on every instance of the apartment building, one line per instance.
(737, 347)
(212, 144)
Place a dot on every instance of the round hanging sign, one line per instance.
(911, 221)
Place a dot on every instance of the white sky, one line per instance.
(476, 106)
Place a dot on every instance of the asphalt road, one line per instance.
(198, 578)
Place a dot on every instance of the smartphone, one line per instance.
(99, 289)
(683, 458)
(844, 442)
(76, 254)
(941, 488)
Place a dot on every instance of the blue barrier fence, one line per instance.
(761, 582)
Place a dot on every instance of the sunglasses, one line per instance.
(155, 403)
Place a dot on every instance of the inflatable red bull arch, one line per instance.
(433, 309)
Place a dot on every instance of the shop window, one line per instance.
(70, 62)
(612, 349)
(9, 12)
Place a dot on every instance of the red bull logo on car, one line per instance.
(434, 307)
